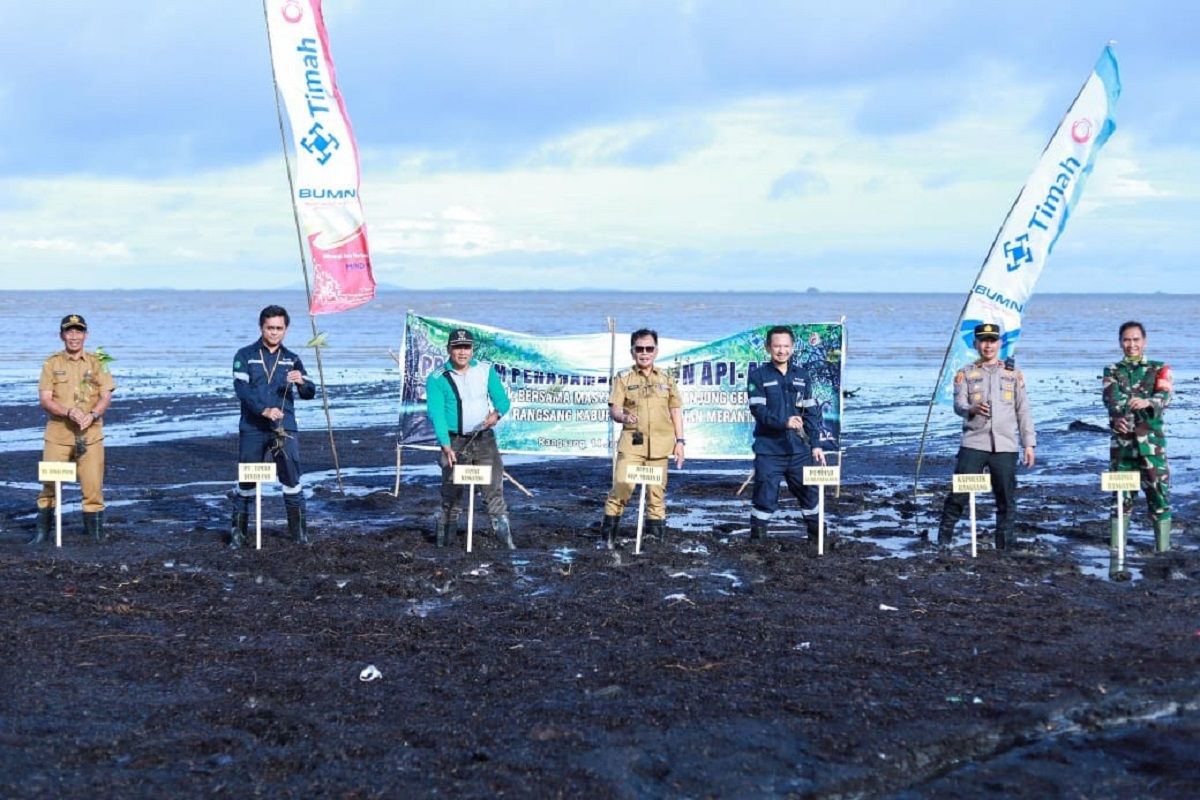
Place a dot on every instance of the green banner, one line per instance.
(559, 385)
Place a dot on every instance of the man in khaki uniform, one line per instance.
(75, 390)
(646, 401)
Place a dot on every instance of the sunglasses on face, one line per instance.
(640, 348)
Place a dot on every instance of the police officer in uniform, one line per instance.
(465, 399)
(75, 389)
(267, 377)
(787, 433)
(1137, 391)
(990, 397)
(647, 403)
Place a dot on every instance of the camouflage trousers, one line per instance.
(1145, 452)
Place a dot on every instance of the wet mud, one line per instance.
(162, 664)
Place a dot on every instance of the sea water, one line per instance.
(176, 348)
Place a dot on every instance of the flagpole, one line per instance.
(287, 162)
(956, 332)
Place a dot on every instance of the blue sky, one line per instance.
(689, 144)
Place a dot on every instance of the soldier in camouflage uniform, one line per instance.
(1136, 393)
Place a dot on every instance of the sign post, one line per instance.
(472, 475)
(57, 472)
(257, 473)
(640, 474)
(822, 477)
(1120, 482)
(971, 484)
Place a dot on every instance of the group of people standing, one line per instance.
(466, 399)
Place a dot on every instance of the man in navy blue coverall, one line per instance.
(264, 374)
(787, 427)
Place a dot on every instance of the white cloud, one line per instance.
(755, 182)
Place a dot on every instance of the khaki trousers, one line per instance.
(89, 467)
(656, 507)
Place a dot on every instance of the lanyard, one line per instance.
(271, 372)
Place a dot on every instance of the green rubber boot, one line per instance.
(1162, 535)
(503, 530)
(1113, 533)
(93, 524)
(447, 528)
(45, 521)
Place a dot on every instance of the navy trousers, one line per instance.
(256, 447)
(1003, 467)
(768, 469)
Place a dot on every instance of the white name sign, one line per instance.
(256, 473)
(981, 482)
(822, 476)
(642, 474)
(475, 474)
(56, 471)
(1120, 481)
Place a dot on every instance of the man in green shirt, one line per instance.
(465, 400)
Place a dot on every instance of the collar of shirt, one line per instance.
(1134, 359)
(449, 367)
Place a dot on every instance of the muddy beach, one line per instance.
(162, 664)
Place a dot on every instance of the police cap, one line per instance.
(460, 336)
(987, 330)
(72, 321)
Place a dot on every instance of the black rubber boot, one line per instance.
(758, 529)
(812, 526)
(503, 530)
(608, 529)
(45, 521)
(945, 534)
(447, 529)
(93, 524)
(656, 529)
(297, 525)
(1005, 539)
(237, 530)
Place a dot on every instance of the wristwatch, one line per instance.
(681, 441)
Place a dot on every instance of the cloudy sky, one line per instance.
(522, 144)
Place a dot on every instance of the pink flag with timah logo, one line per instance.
(326, 175)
